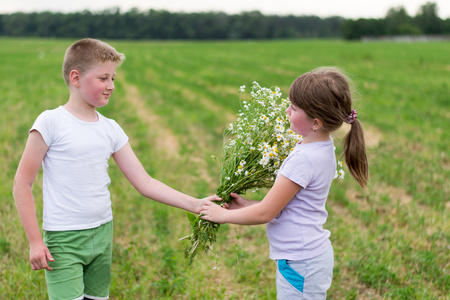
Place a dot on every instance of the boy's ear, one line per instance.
(74, 77)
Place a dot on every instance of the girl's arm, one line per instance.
(276, 199)
(29, 165)
(151, 188)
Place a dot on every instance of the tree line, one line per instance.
(161, 25)
(398, 22)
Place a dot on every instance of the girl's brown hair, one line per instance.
(325, 94)
(87, 53)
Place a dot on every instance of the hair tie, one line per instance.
(352, 117)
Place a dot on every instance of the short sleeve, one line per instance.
(121, 136)
(298, 168)
(45, 125)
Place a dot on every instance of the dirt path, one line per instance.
(168, 142)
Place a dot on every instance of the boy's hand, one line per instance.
(39, 255)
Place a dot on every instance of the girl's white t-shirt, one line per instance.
(75, 181)
(297, 232)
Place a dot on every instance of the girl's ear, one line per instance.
(74, 77)
(317, 124)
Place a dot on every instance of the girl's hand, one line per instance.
(239, 202)
(212, 212)
(210, 198)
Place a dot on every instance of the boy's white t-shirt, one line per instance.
(75, 183)
(297, 232)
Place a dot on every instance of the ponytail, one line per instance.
(355, 153)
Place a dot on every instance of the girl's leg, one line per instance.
(305, 279)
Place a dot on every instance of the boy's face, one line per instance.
(97, 84)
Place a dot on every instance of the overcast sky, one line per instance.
(323, 8)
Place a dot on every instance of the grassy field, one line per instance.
(174, 99)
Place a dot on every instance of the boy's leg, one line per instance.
(97, 274)
(66, 283)
(66, 279)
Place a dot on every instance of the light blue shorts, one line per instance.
(305, 279)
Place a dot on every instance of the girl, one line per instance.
(294, 208)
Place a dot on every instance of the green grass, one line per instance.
(175, 98)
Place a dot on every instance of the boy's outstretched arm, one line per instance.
(151, 188)
(29, 165)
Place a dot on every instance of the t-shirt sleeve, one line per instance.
(298, 169)
(121, 136)
(45, 126)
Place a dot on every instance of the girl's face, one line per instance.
(97, 84)
(300, 122)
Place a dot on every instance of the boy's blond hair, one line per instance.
(87, 53)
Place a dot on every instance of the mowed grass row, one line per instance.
(175, 98)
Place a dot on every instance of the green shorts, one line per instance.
(82, 265)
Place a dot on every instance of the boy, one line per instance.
(74, 143)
